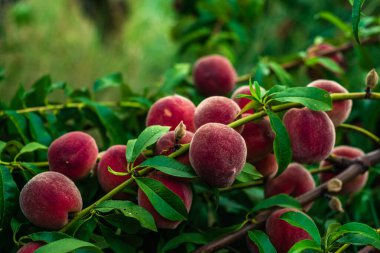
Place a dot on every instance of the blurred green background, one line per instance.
(79, 41)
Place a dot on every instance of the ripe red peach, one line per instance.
(115, 158)
(242, 101)
(318, 71)
(295, 180)
(47, 199)
(258, 137)
(179, 187)
(312, 134)
(30, 247)
(267, 166)
(341, 109)
(355, 184)
(214, 75)
(170, 111)
(166, 145)
(283, 235)
(217, 154)
(216, 109)
(73, 154)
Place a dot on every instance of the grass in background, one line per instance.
(56, 38)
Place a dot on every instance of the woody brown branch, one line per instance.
(356, 168)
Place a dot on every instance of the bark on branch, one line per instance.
(357, 167)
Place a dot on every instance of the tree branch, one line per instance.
(357, 167)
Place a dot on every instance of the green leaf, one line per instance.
(8, 196)
(313, 98)
(249, 174)
(301, 220)
(358, 234)
(355, 18)
(275, 89)
(129, 209)
(175, 76)
(48, 237)
(129, 151)
(30, 147)
(327, 63)
(281, 145)
(148, 137)
(109, 120)
(118, 243)
(165, 201)
(2, 146)
(305, 245)
(282, 200)
(111, 80)
(335, 20)
(36, 96)
(37, 129)
(195, 238)
(169, 166)
(261, 240)
(257, 89)
(67, 245)
(282, 75)
(19, 122)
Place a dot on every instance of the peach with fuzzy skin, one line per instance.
(283, 235)
(217, 154)
(258, 137)
(295, 180)
(48, 198)
(216, 109)
(242, 101)
(73, 154)
(341, 109)
(180, 188)
(355, 184)
(312, 134)
(214, 75)
(170, 111)
(115, 158)
(166, 145)
(30, 247)
(267, 166)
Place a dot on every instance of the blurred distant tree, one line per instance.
(108, 16)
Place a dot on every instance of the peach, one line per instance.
(267, 166)
(258, 137)
(48, 198)
(216, 109)
(73, 154)
(317, 71)
(180, 188)
(283, 235)
(115, 158)
(355, 184)
(214, 75)
(170, 111)
(341, 109)
(217, 154)
(30, 247)
(312, 134)
(166, 145)
(242, 101)
(295, 180)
